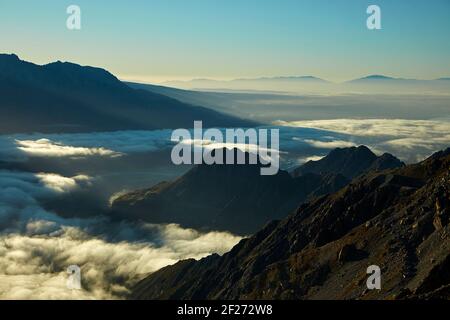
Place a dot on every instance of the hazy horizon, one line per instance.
(197, 40)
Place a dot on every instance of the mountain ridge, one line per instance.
(349, 162)
(67, 97)
(397, 219)
(235, 198)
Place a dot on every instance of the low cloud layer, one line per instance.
(410, 140)
(330, 144)
(377, 127)
(19, 147)
(34, 266)
(48, 148)
(37, 246)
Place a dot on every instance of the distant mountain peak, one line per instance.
(11, 56)
(66, 71)
(99, 74)
(283, 78)
(377, 77)
(396, 218)
(200, 81)
(68, 97)
(362, 149)
(349, 162)
(235, 198)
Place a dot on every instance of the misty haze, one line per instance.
(87, 178)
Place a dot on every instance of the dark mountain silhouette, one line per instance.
(224, 83)
(225, 197)
(398, 86)
(375, 77)
(277, 83)
(66, 97)
(387, 78)
(370, 84)
(349, 162)
(397, 219)
(284, 78)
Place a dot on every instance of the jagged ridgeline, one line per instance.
(238, 198)
(397, 219)
(66, 97)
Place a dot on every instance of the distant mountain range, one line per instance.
(310, 84)
(382, 77)
(225, 83)
(376, 78)
(238, 199)
(391, 85)
(282, 83)
(66, 97)
(397, 219)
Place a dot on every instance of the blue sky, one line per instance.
(158, 40)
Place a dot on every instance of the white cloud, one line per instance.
(36, 246)
(19, 147)
(303, 160)
(48, 148)
(33, 267)
(21, 192)
(267, 154)
(59, 183)
(376, 127)
(410, 140)
(330, 144)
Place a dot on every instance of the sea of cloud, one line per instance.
(37, 246)
(410, 140)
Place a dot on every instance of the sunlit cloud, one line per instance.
(34, 267)
(210, 145)
(20, 147)
(303, 160)
(330, 144)
(48, 148)
(59, 183)
(410, 140)
(37, 246)
(376, 127)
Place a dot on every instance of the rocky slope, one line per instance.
(350, 162)
(397, 219)
(236, 198)
(66, 97)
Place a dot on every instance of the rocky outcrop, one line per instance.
(349, 162)
(235, 198)
(396, 219)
